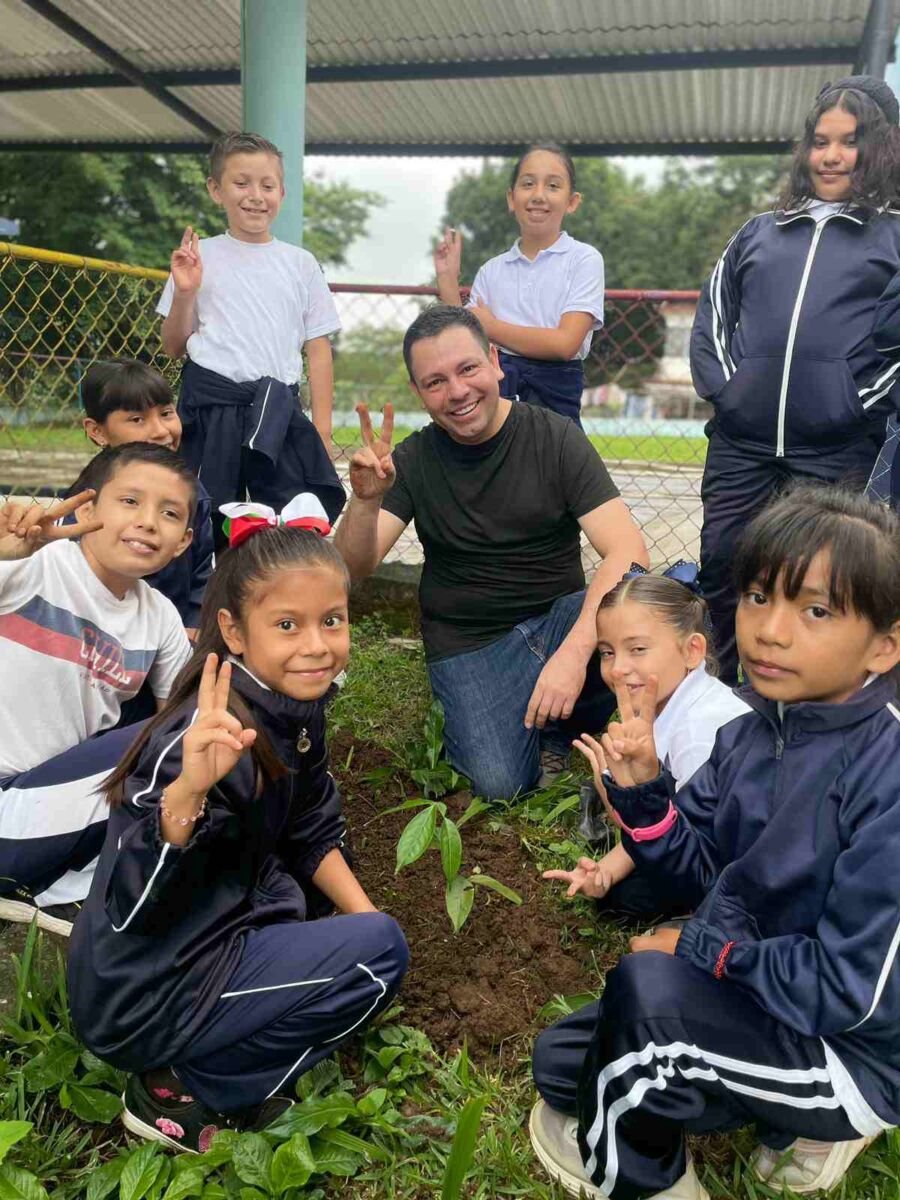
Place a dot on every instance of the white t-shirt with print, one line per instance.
(685, 731)
(565, 277)
(71, 653)
(258, 304)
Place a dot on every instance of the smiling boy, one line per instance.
(80, 632)
(245, 307)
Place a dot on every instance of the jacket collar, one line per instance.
(880, 693)
(853, 212)
(282, 711)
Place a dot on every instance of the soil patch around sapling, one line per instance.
(486, 984)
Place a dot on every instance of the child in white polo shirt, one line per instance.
(541, 300)
(244, 307)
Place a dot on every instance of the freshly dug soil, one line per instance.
(488, 982)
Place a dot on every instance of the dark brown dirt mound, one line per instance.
(488, 982)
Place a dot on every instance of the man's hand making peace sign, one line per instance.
(24, 528)
(371, 468)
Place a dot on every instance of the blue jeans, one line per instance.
(485, 694)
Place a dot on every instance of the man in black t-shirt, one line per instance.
(499, 492)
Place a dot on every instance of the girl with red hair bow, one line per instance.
(200, 961)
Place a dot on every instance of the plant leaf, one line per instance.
(188, 1183)
(459, 899)
(309, 1116)
(252, 1160)
(354, 1144)
(416, 837)
(89, 1103)
(52, 1066)
(16, 1184)
(450, 844)
(475, 807)
(10, 1133)
(495, 885)
(293, 1164)
(463, 1148)
(141, 1170)
(105, 1179)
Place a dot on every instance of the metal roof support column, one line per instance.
(273, 84)
(878, 37)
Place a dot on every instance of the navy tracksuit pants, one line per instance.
(738, 481)
(299, 990)
(53, 819)
(668, 1050)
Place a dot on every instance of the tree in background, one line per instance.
(665, 236)
(133, 207)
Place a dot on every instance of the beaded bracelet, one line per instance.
(167, 812)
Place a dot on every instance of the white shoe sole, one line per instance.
(21, 913)
(150, 1133)
(570, 1183)
(839, 1161)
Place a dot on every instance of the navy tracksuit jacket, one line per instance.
(165, 928)
(796, 343)
(787, 842)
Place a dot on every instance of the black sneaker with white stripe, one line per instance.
(20, 907)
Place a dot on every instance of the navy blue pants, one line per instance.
(299, 990)
(485, 694)
(738, 482)
(554, 385)
(668, 1049)
(53, 819)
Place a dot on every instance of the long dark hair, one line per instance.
(238, 574)
(676, 604)
(875, 181)
(862, 537)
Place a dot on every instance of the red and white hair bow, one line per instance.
(244, 520)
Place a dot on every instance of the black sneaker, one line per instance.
(184, 1123)
(19, 906)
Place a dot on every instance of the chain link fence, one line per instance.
(59, 313)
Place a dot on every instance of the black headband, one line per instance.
(875, 89)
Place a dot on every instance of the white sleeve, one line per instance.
(321, 317)
(19, 581)
(173, 652)
(165, 301)
(478, 294)
(586, 288)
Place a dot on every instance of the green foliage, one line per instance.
(133, 207)
(463, 1148)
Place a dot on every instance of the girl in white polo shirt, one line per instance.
(541, 300)
(651, 625)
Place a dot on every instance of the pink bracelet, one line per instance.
(649, 833)
(167, 812)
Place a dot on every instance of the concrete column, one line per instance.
(273, 86)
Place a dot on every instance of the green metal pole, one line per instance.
(273, 86)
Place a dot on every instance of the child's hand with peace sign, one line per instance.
(186, 265)
(24, 528)
(627, 748)
(211, 748)
(372, 468)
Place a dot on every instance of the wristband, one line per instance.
(167, 812)
(649, 833)
(719, 969)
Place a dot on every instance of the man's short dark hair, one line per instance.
(106, 465)
(238, 142)
(434, 321)
(124, 383)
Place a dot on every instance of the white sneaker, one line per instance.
(555, 1141)
(807, 1166)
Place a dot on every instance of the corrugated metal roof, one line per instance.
(716, 105)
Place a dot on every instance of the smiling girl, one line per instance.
(541, 300)
(796, 341)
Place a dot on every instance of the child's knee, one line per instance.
(386, 938)
(650, 985)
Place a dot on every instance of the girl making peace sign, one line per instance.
(198, 963)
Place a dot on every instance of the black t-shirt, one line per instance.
(498, 523)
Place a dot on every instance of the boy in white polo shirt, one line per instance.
(244, 306)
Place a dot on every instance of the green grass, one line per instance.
(675, 450)
(392, 1111)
